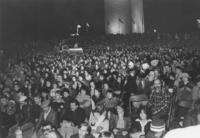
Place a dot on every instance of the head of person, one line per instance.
(74, 104)
(65, 93)
(84, 129)
(47, 128)
(151, 76)
(83, 91)
(106, 86)
(48, 83)
(185, 77)
(109, 94)
(65, 124)
(3, 100)
(58, 95)
(157, 84)
(37, 100)
(46, 106)
(120, 111)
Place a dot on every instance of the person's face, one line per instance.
(42, 80)
(58, 96)
(16, 87)
(185, 79)
(4, 101)
(132, 73)
(65, 76)
(48, 84)
(46, 130)
(66, 94)
(120, 111)
(178, 71)
(83, 130)
(143, 115)
(46, 108)
(83, 92)
(74, 79)
(157, 83)
(37, 100)
(109, 95)
(92, 85)
(106, 87)
(96, 93)
(73, 106)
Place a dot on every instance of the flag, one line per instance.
(121, 21)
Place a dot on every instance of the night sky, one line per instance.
(24, 20)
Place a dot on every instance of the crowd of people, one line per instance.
(111, 90)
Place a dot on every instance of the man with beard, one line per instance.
(159, 101)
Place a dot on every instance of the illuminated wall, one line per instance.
(124, 16)
(117, 16)
(137, 16)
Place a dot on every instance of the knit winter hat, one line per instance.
(157, 125)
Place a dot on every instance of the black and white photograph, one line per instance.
(99, 68)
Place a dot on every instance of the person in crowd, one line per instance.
(193, 117)
(98, 121)
(67, 129)
(48, 115)
(121, 124)
(48, 131)
(76, 114)
(159, 101)
(157, 129)
(57, 104)
(84, 99)
(141, 125)
(84, 132)
(184, 96)
(109, 101)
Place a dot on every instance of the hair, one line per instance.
(74, 101)
(106, 134)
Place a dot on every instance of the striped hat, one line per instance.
(157, 125)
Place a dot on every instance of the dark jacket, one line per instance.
(51, 118)
(131, 86)
(190, 119)
(77, 117)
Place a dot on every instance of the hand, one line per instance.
(124, 133)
